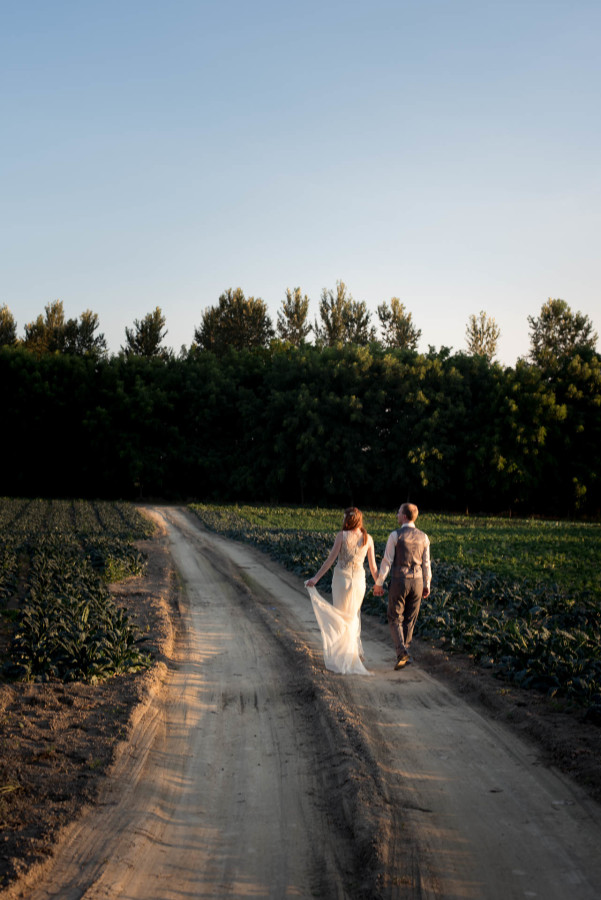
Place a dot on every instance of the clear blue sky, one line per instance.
(447, 152)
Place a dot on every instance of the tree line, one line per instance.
(335, 422)
(241, 323)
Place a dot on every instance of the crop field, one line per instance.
(523, 597)
(57, 618)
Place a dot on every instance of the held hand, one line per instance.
(378, 590)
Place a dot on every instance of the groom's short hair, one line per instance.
(409, 510)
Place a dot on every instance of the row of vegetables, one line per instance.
(58, 617)
(537, 635)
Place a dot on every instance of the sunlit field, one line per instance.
(523, 597)
(562, 553)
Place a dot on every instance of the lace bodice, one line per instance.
(353, 550)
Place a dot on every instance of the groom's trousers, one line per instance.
(404, 601)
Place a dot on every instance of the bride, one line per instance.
(340, 622)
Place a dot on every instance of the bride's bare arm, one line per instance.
(371, 558)
(329, 561)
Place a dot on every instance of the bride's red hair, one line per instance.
(353, 518)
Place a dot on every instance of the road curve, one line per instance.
(255, 774)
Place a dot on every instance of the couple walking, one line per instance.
(407, 557)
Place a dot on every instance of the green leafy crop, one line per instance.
(56, 559)
(523, 597)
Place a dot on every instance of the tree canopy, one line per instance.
(342, 320)
(397, 328)
(82, 339)
(292, 324)
(558, 332)
(241, 323)
(337, 425)
(46, 333)
(237, 323)
(8, 327)
(482, 335)
(147, 336)
(51, 333)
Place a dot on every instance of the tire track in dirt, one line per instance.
(223, 793)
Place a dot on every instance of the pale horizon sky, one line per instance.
(156, 154)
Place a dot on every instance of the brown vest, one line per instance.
(409, 553)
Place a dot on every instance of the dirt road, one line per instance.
(257, 774)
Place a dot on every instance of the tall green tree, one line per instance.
(558, 332)
(358, 324)
(52, 333)
(292, 325)
(237, 322)
(81, 337)
(342, 320)
(8, 327)
(397, 328)
(330, 329)
(482, 335)
(47, 333)
(147, 336)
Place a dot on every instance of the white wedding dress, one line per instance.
(340, 621)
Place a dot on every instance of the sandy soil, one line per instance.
(240, 768)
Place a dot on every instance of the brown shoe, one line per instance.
(402, 661)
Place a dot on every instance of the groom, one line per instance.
(408, 553)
